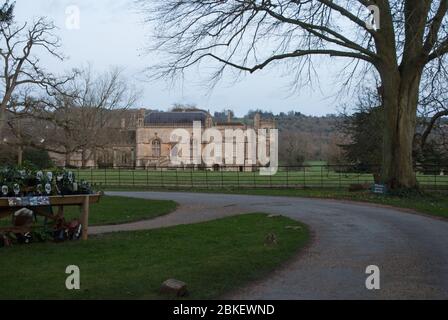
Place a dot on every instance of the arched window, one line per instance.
(174, 152)
(156, 148)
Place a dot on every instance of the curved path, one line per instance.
(410, 250)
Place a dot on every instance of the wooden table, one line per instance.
(82, 201)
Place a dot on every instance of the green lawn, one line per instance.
(116, 210)
(212, 258)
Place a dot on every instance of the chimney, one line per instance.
(209, 121)
(141, 118)
(257, 121)
(229, 116)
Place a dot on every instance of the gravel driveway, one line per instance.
(410, 250)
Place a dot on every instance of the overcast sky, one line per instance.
(111, 33)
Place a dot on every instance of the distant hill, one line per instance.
(302, 137)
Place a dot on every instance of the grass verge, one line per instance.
(212, 258)
(117, 210)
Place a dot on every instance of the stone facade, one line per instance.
(146, 138)
(153, 145)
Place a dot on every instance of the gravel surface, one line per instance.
(410, 250)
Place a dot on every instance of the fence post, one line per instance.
(177, 178)
(147, 177)
(321, 177)
(340, 179)
(206, 177)
(238, 176)
(304, 176)
(133, 178)
(161, 177)
(255, 178)
(287, 177)
(191, 176)
(435, 181)
(119, 177)
(222, 177)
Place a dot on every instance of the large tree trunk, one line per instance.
(400, 99)
(2, 122)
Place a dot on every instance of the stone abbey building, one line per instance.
(144, 137)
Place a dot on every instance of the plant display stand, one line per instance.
(39, 205)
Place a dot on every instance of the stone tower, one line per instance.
(141, 118)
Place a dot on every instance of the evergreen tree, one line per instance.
(364, 149)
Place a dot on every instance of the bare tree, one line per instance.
(87, 115)
(6, 12)
(293, 149)
(19, 67)
(18, 123)
(433, 106)
(409, 38)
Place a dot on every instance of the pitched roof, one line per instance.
(175, 117)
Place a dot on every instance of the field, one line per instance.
(312, 176)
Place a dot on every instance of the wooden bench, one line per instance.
(82, 201)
